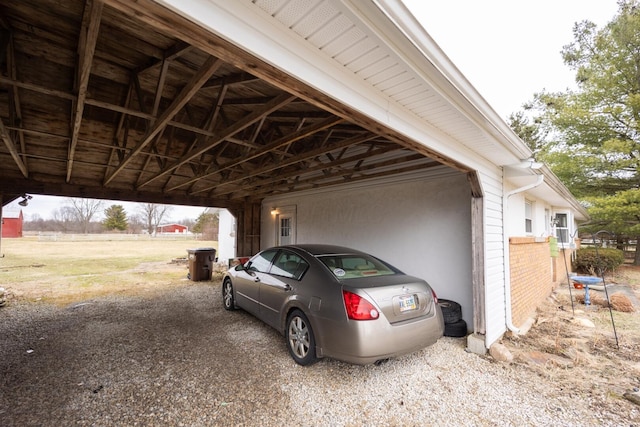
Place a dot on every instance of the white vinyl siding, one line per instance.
(494, 257)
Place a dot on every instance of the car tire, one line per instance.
(451, 310)
(456, 329)
(301, 342)
(228, 300)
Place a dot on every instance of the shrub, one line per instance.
(604, 260)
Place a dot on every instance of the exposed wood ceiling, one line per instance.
(95, 102)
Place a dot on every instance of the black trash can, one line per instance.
(201, 263)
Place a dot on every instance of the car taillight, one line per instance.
(435, 297)
(359, 308)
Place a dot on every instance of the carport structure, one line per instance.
(231, 103)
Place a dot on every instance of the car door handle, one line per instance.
(256, 279)
(286, 288)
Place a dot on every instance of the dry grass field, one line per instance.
(65, 271)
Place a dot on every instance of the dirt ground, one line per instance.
(590, 350)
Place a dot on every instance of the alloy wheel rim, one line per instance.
(227, 295)
(299, 337)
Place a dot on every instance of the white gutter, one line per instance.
(507, 262)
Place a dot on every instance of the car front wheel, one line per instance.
(227, 295)
(300, 340)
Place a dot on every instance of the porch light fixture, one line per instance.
(274, 211)
(25, 200)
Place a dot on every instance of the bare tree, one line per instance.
(136, 224)
(152, 215)
(84, 210)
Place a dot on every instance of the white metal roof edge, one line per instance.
(465, 97)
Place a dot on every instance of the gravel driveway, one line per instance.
(176, 357)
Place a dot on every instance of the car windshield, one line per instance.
(351, 266)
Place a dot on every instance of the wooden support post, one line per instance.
(247, 228)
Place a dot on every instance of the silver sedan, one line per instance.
(331, 301)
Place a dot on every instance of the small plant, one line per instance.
(600, 261)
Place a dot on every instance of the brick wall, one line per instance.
(560, 268)
(532, 275)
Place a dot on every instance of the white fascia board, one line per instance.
(409, 36)
(250, 28)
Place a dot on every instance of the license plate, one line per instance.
(407, 303)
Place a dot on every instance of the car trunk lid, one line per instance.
(400, 298)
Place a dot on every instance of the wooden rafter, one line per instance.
(288, 139)
(291, 161)
(86, 49)
(296, 174)
(247, 121)
(11, 146)
(328, 180)
(207, 70)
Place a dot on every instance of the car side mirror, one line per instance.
(239, 267)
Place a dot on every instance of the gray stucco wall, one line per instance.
(422, 227)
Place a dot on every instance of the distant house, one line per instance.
(172, 229)
(12, 224)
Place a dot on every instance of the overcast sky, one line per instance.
(507, 49)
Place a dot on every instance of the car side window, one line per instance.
(288, 264)
(262, 261)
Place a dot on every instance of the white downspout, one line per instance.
(507, 262)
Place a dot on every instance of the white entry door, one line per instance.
(286, 228)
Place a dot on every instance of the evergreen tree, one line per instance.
(593, 132)
(115, 218)
(207, 224)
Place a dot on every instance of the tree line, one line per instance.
(79, 215)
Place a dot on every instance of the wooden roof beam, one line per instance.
(292, 160)
(293, 174)
(312, 182)
(86, 49)
(288, 139)
(11, 146)
(110, 106)
(192, 87)
(248, 120)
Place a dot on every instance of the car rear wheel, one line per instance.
(300, 340)
(227, 295)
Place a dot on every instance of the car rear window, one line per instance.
(350, 266)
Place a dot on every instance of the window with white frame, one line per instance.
(528, 216)
(562, 227)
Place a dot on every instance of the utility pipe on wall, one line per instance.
(507, 262)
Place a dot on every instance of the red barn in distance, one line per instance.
(12, 224)
(172, 229)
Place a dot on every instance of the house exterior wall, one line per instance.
(531, 275)
(494, 309)
(420, 226)
(534, 270)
